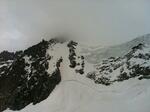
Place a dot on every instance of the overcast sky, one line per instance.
(103, 22)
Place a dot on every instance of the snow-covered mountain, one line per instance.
(33, 75)
(55, 76)
(135, 63)
(95, 56)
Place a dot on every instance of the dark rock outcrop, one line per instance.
(26, 80)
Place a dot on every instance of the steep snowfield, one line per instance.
(77, 93)
(95, 56)
(74, 96)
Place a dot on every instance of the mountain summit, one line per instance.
(56, 75)
(32, 76)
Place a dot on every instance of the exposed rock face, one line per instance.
(136, 63)
(5, 55)
(73, 58)
(25, 79)
(31, 75)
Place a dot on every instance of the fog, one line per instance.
(93, 22)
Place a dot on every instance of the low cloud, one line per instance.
(104, 22)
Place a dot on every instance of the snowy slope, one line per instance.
(136, 63)
(33, 76)
(74, 96)
(98, 55)
(117, 84)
